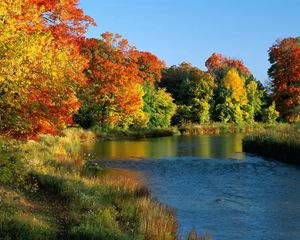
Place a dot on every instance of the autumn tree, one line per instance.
(39, 74)
(284, 72)
(122, 86)
(158, 107)
(238, 97)
(231, 98)
(218, 65)
(113, 95)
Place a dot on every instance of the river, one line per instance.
(213, 185)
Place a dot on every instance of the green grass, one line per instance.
(280, 141)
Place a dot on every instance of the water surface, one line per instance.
(213, 185)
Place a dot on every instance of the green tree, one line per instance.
(158, 106)
(193, 90)
(270, 114)
(254, 106)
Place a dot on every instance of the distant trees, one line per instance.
(192, 90)
(227, 92)
(284, 72)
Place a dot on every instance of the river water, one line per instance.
(213, 185)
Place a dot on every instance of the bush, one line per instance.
(12, 228)
(14, 172)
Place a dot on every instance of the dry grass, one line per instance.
(157, 222)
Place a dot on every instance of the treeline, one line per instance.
(52, 77)
(227, 92)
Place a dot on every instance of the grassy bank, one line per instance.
(217, 128)
(117, 134)
(281, 142)
(50, 190)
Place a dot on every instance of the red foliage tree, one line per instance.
(285, 75)
(217, 62)
(149, 65)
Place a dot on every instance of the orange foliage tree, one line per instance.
(285, 75)
(121, 90)
(218, 65)
(39, 72)
(113, 95)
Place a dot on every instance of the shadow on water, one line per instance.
(214, 186)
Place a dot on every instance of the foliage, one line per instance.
(219, 65)
(270, 114)
(39, 72)
(284, 72)
(255, 101)
(192, 90)
(159, 107)
(14, 170)
(113, 95)
(121, 86)
(231, 98)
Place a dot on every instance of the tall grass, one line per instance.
(216, 128)
(76, 198)
(280, 141)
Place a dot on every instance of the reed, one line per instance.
(280, 142)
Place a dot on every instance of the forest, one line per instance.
(53, 77)
(55, 82)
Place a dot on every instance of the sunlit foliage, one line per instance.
(39, 74)
(284, 72)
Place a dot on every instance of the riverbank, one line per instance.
(119, 134)
(217, 128)
(50, 190)
(280, 142)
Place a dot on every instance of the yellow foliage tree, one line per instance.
(235, 83)
(38, 75)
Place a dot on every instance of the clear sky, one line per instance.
(191, 30)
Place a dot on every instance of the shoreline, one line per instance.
(58, 186)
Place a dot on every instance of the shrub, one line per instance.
(14, 172)
(13, 228)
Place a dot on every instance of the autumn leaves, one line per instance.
(51, 76)
(50, 73)
(41, 66)
(285, 75)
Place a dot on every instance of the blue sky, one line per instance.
(191, 30)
